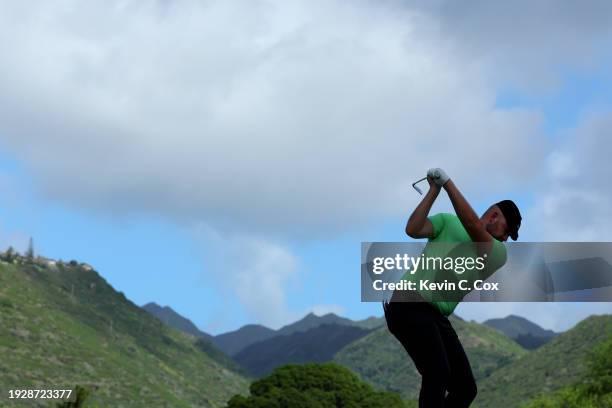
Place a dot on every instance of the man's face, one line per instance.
(497, 226)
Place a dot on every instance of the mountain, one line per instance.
(381, 360)
(175, 320)
(235, 341)
(231, 343)
(527, 334)
(311, 321)
(556, 364)
(64, 325)
(371, 322)
(316, 345)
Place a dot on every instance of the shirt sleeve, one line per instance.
(438, 221)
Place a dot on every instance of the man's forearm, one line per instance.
(468, 217)
(419, 215)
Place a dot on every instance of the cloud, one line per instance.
(253, 272)
(574, 203)
(525, 43)
(291, 119)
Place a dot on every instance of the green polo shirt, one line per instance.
(449, 235)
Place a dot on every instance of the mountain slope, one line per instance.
(556, 364)
(382, 361)
(526, 333)
(316, 345)
(65, 325)
(310, 321)
(233, 342)
(167, 315)
(370, 323)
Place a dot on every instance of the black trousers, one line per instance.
(432, 343)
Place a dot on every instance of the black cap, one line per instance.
(512, 216)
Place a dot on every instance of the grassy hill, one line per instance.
(557, 364)
(65, 325)
(382, 361)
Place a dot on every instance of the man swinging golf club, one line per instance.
(421, 325)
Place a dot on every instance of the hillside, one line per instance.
(557, 364)
(231, 343)
(310, 321)
(65, 325)
(371, 322)
(316, 345)
(235, 341)
(526, 333)
(382, 361)
(167, 315)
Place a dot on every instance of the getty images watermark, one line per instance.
(523, 272)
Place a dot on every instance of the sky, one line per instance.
(227, 158)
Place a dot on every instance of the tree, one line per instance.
(10, 254)
(314, 386)
(81, 394)
(30, 253)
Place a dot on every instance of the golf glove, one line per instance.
(438, 175)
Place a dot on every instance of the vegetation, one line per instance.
(381, 360)
(526, 333)
(65, 325)
(557, 364)
(314, 386)
(80, 395)
(595, 391)
(30, 252)
(316, 345)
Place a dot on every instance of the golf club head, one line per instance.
(415, 185)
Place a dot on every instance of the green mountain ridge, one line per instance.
(233, 342)
(557, 364)
(65, 325)
(524, 332)
(311, 320)
(380, 359)
(173, 319)
(63, 321)
(316, 345)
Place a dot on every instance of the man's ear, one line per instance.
(495, 215)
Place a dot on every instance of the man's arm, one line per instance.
(469, 219)
(418, 226)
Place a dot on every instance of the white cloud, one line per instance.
(525, 43)
(293, 118)
(282, 119)
(574, 202)
(254, 272)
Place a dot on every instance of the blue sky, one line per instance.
(182, 172)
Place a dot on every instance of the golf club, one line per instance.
(417, 182)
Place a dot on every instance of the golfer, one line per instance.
(422, 326)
